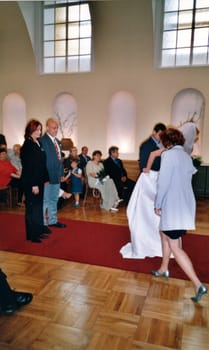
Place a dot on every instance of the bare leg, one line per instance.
(184, 262)
(166, 253)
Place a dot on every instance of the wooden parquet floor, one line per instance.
(85, 307)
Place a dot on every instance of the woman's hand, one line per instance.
(158, 211)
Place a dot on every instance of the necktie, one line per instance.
(57, 149)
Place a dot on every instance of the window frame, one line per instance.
(66, 40)
(158, 31)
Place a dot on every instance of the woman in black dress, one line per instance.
(34, 176)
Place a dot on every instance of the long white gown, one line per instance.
(143, 222)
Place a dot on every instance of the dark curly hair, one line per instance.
(96, 152)
(172, 137)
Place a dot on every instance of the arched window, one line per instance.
(65, 111)
(14, 118)
(67, 36)
(181, 30)
(121, 126)
(188, 107)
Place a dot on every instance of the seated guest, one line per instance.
(14, 157)
(3, 142)
(11, 300)
(7, 171)
(73, 155)
(115, 169)
(84, 158)
(104, 184)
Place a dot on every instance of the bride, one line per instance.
(142, 220)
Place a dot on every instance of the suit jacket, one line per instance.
(54, 165)
(33, 158)
(144, 151)
(115, 171)
(83, 161)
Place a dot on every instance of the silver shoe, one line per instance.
(201, 291)
(165, 274)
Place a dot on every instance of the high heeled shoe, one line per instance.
(165, 274)
(201, 291)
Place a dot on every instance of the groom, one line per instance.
(149, 145)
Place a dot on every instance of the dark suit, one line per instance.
(6, 293)
(34, 173)
(54, 165)
(83, 161)
(144, 151)
(116, 171)
(56, 171)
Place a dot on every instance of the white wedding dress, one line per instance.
(143, 222)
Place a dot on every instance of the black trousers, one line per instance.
(34, 213)
(6, 293)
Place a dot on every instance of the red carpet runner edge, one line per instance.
(97, 244)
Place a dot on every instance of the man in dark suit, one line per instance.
(114, 168)
(52, 148)
(84, 158)
(149, 145)
(11, 300)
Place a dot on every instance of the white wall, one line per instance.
(123, 56)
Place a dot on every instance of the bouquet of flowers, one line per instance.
(102, 176)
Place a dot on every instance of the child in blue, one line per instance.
(76, 181)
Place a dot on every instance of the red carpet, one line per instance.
(97, 244)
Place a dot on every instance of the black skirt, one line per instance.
(175, 234)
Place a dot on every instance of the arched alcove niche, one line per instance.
(121, 126)
(188, 108)
(13, 118)
(65, 111)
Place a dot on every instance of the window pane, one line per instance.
(85, 63)
(171, 5)
(60, 1)
(48, 16)
(185, 4)
(184, 38)
(73, 13)
(168, 58)
(73, 30)
(60, 48)
(49, 32)
(49, 65)
(170, 21)
(73, 46)
(182, 57)
(201, 37)
(85, 14)
(202, 3)
(85, 46)
(185, 20)
(60, 64)
(200, 55)
(49, 49)
(73, 64)
(60, 14)
(49, 2)
(60, 31)
(169, 39)
(202, 18)
(85, 29)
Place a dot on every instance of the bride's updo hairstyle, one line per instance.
(172, 137)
